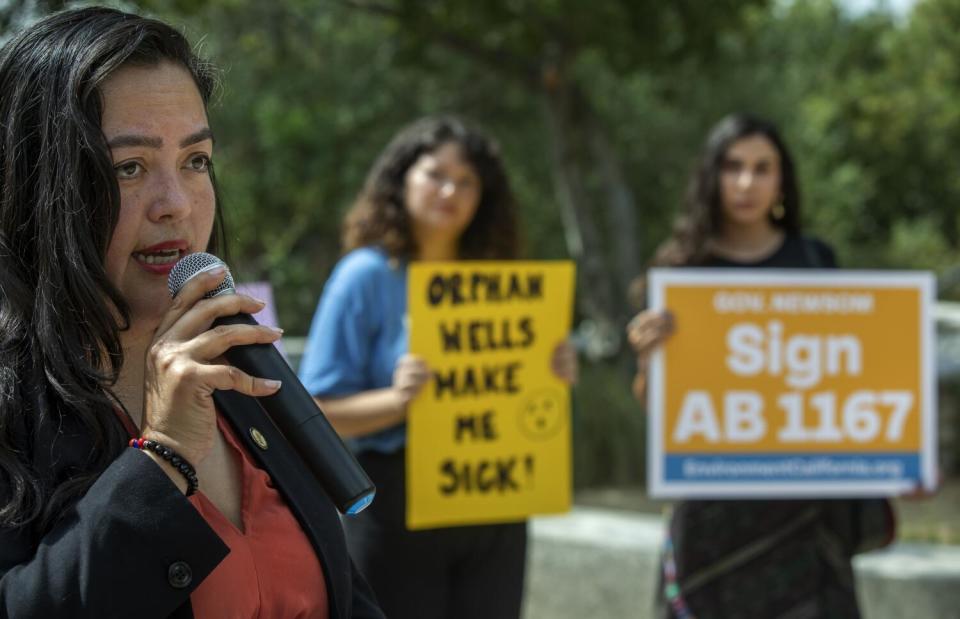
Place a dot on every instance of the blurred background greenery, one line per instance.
(600, 108)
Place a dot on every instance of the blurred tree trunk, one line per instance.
(580, 151)
(621, 209)
(537, 44)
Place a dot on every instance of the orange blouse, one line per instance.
(272, 570)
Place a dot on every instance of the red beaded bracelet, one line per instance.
(176, 460)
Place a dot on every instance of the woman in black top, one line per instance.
(760, 558)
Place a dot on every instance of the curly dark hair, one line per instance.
(703, 218)
(60, 316)
(379, 216)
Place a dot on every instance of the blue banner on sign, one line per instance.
(705, 468)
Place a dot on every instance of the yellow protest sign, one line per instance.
(488, 437)
(792, 383)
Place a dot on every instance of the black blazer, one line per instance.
(134, 546)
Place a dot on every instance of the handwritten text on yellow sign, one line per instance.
(489, 435)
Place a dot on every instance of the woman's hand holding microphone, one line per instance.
(184, 367)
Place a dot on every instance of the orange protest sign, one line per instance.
(792, 383)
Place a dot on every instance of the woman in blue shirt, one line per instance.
(437, 192)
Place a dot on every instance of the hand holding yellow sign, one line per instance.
(489, 435)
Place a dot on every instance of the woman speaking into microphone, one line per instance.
(123, 490)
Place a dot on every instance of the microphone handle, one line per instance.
(304, 425)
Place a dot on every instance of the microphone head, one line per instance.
(194, 264)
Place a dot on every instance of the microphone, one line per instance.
(291, 408)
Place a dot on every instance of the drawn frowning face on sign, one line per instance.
(541, 415)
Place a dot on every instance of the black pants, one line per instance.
(466, 572)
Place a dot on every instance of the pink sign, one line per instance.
(268, 315)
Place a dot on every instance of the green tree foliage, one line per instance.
(868, 104)
(313, 90)
(600, 108)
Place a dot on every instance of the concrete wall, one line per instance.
(595, 563)
(910, 581)
(592, 563)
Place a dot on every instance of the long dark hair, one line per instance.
(60, 317)
(379, 217)
(703, 214)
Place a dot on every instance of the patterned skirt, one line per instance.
(763, 559)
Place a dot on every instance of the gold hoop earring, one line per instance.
(778, 211)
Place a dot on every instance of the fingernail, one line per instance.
(259, 301)
(272, 384)
(217, 271)
(277, 330)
